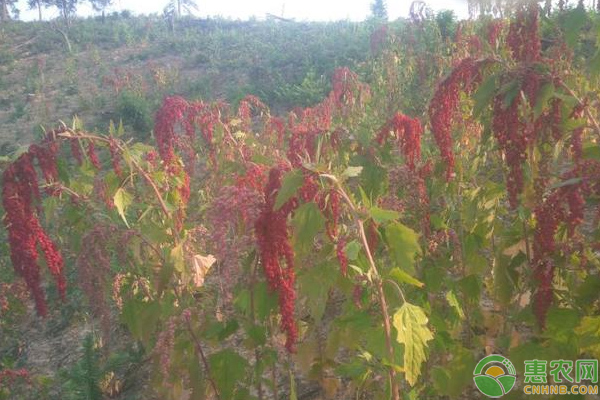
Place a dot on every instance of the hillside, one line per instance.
(122, 68)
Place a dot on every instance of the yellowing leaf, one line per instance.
(352, 172)
(453, 301)
(177, 258)
(411, 323)
(122, 200)
(200, 267)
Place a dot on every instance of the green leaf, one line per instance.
(177, 258)
(404, 245)
(122, 200)
(293, 390)
(227, 369)
(594, 64)
(588, 334)
(410, 322)
(264, 301)
(568, 182)
(401, 276)
(454, 303)
(484, 94)
(290, 183)
(315, 284)
(380, 215)
(452, 379)
(544, 95)
(591, 152)
(511, 91)
(307, 222)
(572, 25)
(141, 317)
(352, 249)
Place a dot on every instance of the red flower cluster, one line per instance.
(306, 125)
(245, 110)
(114, 157)
(345, 82)
(494, 29)
(523, 37)
(274, 247)
(76, 150)
(8, 376)
(407, 132)
(172, 112)
(443, 109)
(548, 214)
(340, 247)
(565, 205)
(19, 191)
(276, 125)
(511, 136)
(93, 155)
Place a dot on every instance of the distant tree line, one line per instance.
(67, 8)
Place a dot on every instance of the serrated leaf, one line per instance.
(290, 183)
(403, 243)
(352, 172)
(122, 200)
(401, 276)
(380, 215)
(410, 322)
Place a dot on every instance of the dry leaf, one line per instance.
(200, 267)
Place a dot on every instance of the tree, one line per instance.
(37, 4)
(67, 8)
(174, 7)
(6, 7)
(379, 10)
(101, 5)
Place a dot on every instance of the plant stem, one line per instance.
(253, 317)
(378, 285)
(582, 104)
(161, 202)
(199, 350)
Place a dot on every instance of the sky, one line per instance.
(316, 10)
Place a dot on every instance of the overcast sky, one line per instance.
(321, 10)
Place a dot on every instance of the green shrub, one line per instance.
(136, 111)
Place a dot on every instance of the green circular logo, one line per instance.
(494, 376)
